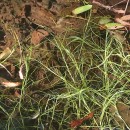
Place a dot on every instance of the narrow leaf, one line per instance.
(81, 9)
(113, 26)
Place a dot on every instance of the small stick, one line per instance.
(118, 3)
(126, 6)
(109, 7)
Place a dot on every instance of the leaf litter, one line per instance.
(33, 24)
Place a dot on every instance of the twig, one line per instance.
(119, 11)
(126, 6)
(118, 3)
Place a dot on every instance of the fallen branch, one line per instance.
(119, 11)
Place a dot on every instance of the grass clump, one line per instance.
(77, 76)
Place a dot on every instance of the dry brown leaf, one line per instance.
(76, 123)
(38, 35)
(8, 84)
(125, 18)
(122, 22)
(121, 114)
(124, 112)
(17, 94)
